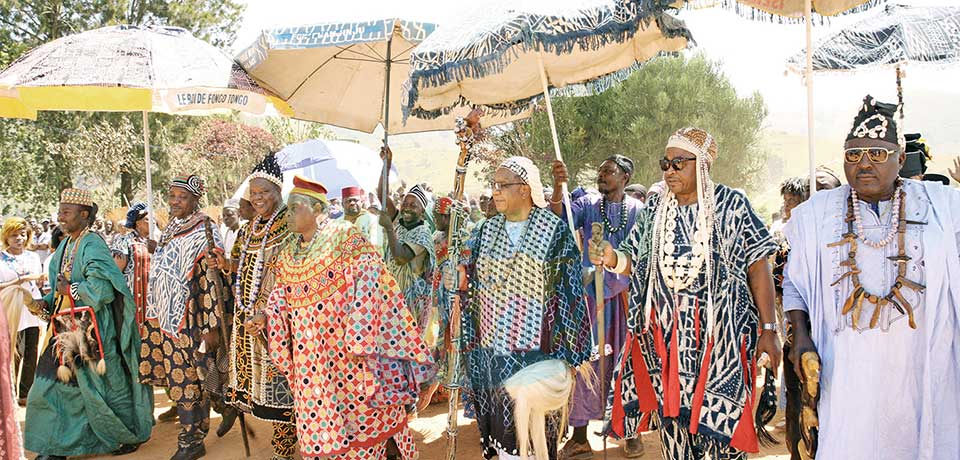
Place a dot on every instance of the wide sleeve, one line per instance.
(567, 325)
(754, 236)
(206, 297)
(279, 339)
(93, 288)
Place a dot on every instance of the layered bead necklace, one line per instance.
(246, 304)
(679, 273)
(608, 227)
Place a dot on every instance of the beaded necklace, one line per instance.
(258, 263)
(858, 219)
(854, 303)
(679, 273)
(608, 227)
(176, 225)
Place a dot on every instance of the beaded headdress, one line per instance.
(876, 121)
(189, 182)
(268, 169)
(76, 196)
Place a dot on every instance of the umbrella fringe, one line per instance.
(590, 88)
(759, 15)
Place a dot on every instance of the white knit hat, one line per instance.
(530, 175)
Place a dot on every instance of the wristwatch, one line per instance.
(769, 327)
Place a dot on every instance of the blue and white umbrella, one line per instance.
(503, 58)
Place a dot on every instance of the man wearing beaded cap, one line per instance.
(700, 290)
(617, 211)
(337, 326)
(81, 404)
(255, 385)
(874, 267)
(410, 254)
(524, 324)
(181, 317)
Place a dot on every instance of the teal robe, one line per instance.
(92, 414)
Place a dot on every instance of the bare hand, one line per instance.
(473, 120)
(63, 287)
(255, 324)
(769, 343)
(215, 259)
(151, 246)
(560, 175)
(801, 345)
(601, 254)
(385, 221)
(39, 277)
(386, 154)
(955, 171)
(212, 341)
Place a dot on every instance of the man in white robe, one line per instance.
(890, 384)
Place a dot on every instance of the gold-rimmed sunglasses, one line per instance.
(874, 154)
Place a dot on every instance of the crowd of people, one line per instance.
(335, 319)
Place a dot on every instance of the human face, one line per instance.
(108, 226)
(684, 181)
(231, 217)
(509, 191)
(790, 201)
(143, 227)
(246, 210)
(353, 205)
(16, 242)
(442, 221)
(72, 218)
(411, 211)
(301, 216)
(182, 203)
(264, 196)
(610, 178)
(873, 181)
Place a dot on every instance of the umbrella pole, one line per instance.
(151, 219)
(808, 77)
(386, 127)
(556, 150)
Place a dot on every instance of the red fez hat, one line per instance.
(348, 192)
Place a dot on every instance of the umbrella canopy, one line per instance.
(335, 164)
(343, 74)
(493, 59)
(790, 9)
(897, 35)
(130, 68)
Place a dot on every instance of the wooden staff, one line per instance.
(597, 238)
(214, 275)
(468, 134)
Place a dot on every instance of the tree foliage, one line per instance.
(37, 158)
(636, 117)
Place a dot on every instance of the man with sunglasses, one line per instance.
(524, 310)
(617, 211)
(701, 309)
(874, 267)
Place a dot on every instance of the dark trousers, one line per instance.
(26, 361)
(791, 382)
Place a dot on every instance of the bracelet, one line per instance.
(556, 202)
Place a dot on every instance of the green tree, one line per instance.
(636, 117)
(41, 166)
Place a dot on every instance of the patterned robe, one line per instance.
(133, 249)
(525, 305)
(671, 368)
(415, 277)
(255, 385)
(339, 331)
(182, 307)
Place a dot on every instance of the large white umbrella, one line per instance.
(131, 69)
(505, 57)
(335, 164)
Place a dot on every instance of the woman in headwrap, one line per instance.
(701, 291)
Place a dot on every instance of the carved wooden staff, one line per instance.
(468, 135)
(214, 276)
(597, 238)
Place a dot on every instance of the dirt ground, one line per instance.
(429, 431)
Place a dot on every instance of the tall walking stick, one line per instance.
(214, 276)
(597, 238)
(468, 135)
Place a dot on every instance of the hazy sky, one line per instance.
(752, 54)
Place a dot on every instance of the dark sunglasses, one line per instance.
(676, 163)
(874, 154)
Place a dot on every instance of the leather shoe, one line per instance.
(229, 417)
(125, 449)
(190, 453)
(633, 448)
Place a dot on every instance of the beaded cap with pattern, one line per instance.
(695, 141)
(268, 169)
(76, 196)
(876, 120)
(191, 183)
